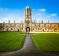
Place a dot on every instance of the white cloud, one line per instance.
(52, 15)
(48, 16)
(39, 14)
(20, 19)
(45, 16)
(9, 19)
(6, 18)
(42, 10)
(55, 14)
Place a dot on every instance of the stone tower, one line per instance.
(28, 19)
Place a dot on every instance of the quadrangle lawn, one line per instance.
(11, 41)
(46, 41)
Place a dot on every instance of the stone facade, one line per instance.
(28, 25)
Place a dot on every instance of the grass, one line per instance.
(46, 41)
(11, 41)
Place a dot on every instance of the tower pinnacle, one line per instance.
(27, 7)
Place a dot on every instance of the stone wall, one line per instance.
(35, 27)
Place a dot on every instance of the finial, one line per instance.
(42, 21)
(9, 21)
(48, 21)
(14, 21)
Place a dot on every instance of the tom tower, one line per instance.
(28, 25)
(28, 19)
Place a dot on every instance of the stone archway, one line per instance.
(27, 29)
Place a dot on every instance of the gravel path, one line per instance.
(29, 50)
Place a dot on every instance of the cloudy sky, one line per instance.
(41, 10)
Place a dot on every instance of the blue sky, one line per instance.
(41, 10)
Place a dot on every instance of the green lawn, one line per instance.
(11, 41)
(46, 41)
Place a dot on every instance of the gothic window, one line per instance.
(44, 25)
(48, 25)
(27, 16)
(58, 25)
(18, 29)
(38, 28)
(3, 28)
(55, 25)
(11, 29)
(27, 21)
(14, 28)
(39, 25)
(7, 29)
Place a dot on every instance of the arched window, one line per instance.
(58, 25)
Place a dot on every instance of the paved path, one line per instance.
(28, 50)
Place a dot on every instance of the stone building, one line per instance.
(28, 25)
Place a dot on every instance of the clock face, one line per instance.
(27, 21)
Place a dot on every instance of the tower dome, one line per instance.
(27, 7)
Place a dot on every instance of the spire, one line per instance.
(9, 22)
(3, 22)
(21, 21)
(42, 21)
(14, 21)
(48, 21)
(35, 21)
